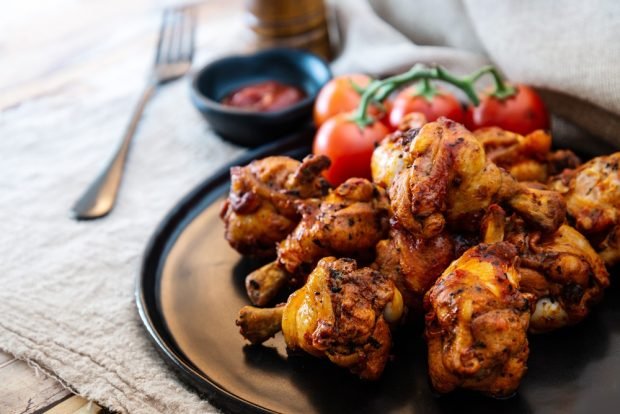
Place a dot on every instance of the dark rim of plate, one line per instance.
(156, 248)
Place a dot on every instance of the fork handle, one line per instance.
(99, 198)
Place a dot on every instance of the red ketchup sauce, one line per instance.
(265, 96)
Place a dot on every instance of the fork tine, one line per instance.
(175, 47)
(162, 35)
(182, 50)
(191, 32)
(169, 36)
(177, 36)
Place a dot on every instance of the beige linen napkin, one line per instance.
(66, 288)
(569, 50)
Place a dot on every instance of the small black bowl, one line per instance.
(252, 128)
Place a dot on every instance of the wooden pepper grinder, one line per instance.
(298, 24)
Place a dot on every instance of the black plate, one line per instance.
(191, 287)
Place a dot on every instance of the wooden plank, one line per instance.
(25, 392)
(74, 405)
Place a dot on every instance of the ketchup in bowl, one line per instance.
(265, 96)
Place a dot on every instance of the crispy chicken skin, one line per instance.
(476, 323)
(348, 222)
(522, 156)
(414, 263)
(392, 155)
(563, 273)
(450, 183)
(260, 209)
(342, 313)
(526, 158)
(592, 194)
(560, 271)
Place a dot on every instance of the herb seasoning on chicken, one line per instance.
(342, 313)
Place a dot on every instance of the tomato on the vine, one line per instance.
(348, 145)
(384, 115)
(523, 112)
(340, 95)
(433, 106)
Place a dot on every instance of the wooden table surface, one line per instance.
(25, 391)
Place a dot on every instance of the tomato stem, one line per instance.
(503, 90)
(427, 90)
(360, 90)
(357, 88)
(462, 83)
(361, 118)
(380, 90)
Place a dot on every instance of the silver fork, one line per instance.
(175, 50)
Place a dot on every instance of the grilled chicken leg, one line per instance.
(450, 183)
(477, 319)
(592, 193)
(261, 208)
(342, 313)
(348, 222)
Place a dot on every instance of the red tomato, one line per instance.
(384, 115)
(348, 146)
(442, 104)
(522, 113)
(339, 96)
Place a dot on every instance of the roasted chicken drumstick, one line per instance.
(392, 155)
(477, 322)
(414, 263)
(450, 183)
(592, 194)
(342, 313)
(564, 274)
(525, 157)
(560, 271)
(260, 210)
(348, 222)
